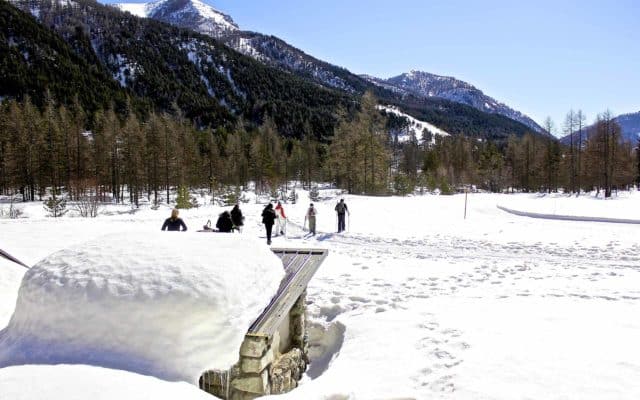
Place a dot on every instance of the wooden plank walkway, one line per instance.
(300, 265)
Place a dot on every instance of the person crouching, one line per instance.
(225, 224)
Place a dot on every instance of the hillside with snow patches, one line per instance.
(203, 18)
(413, 126)
(430, 85)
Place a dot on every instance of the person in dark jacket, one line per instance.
(225, 224)
(341, 209)
(174, 223)
(268, 218)
(237, 218)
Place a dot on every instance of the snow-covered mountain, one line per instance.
(201, 17)
(630, 124)
(425, 84)
(198, 16)
(192, 14)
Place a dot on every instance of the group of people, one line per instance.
(270, 215)
(228, 221)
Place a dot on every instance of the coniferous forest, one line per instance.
(51, 147)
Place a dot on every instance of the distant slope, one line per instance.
(629, 124)
(430, 85)
(407, 125)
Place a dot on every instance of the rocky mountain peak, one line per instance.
(425, 84)
(192, 14)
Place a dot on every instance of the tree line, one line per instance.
(126, 157)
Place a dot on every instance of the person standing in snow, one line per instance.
(237, 218)
(311, 216)
(341, 209)
(225, 224)
(174, 223)
(281, 225)
(268, 218)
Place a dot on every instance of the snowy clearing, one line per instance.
(415, 302)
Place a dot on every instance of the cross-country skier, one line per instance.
(311, 216)
(174, 223)
(341, 209)
(268, 217)
(224, 224)
(281, 222)
(237, 218)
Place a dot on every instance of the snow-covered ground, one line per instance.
(415, 302)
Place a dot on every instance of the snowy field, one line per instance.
(413, 302)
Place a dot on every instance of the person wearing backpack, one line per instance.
(311, 217)
(268, 218)
(341, 209)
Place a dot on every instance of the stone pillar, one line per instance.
(262, 370)
(298, 325)
(257, 353)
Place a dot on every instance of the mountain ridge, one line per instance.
(215, 86)
(428, 85)
(277, 52)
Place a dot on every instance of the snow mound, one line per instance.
(169, 304)
(10, 277)
(81, 382)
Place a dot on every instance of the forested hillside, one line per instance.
(214, 85)
(34, 60)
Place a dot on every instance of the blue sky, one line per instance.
(540, 57)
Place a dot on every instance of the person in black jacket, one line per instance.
(237, 218)
(174, 223)
(341, 209)
(224, 223)
(268, 217)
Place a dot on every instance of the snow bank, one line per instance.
(10, 276)
(166, 304)
(81, 382)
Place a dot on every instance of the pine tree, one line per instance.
(55, 207)
(184, 200)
